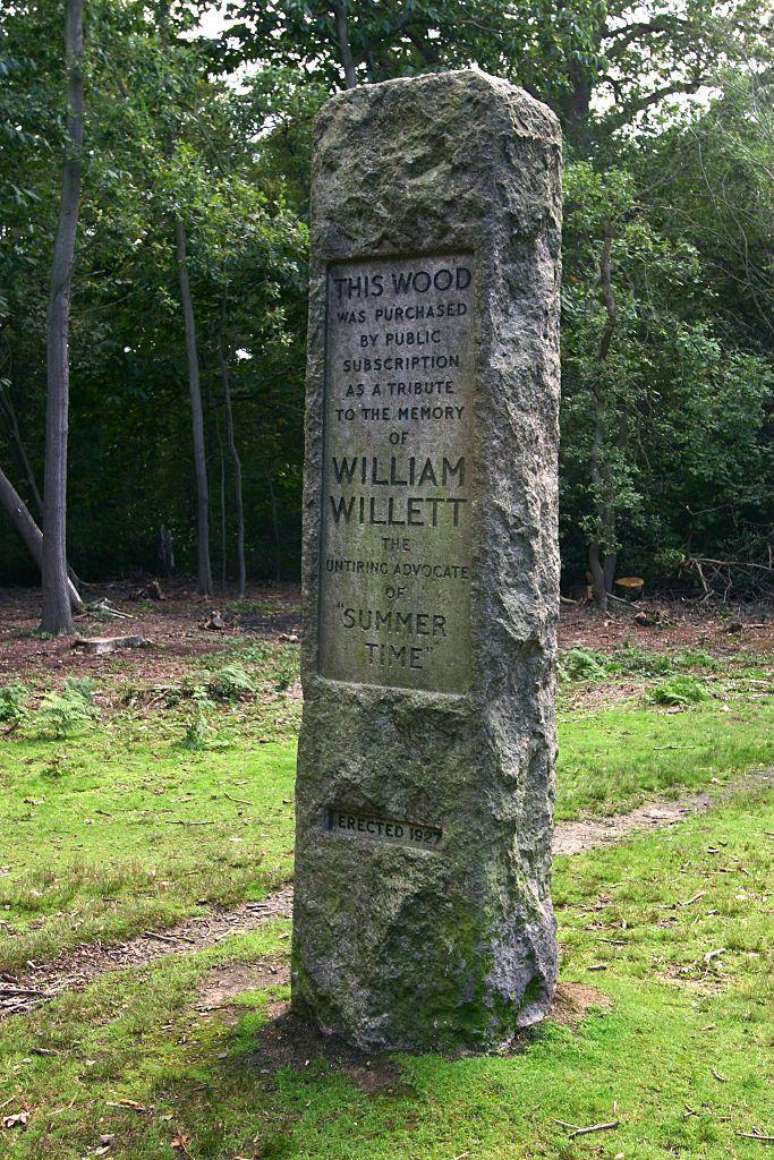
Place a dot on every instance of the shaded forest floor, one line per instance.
(147, 796)
(176, 626)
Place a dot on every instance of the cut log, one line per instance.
(101, 645)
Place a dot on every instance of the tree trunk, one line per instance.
(223, 512)
(6, 403)
(197, 417)
(24, 462)
(235, 459)
(345, 51)
(275, 526)
(57, 612)
(29, 531)
(223, 518)
(166, 551)
(602, 555)
(597, 572)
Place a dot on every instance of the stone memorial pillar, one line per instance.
(425, 774)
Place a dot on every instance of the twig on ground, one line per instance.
(239, 801)
(595, 1128)
(168, 938)
(20, 991)
(183, 822)
(757, 1136)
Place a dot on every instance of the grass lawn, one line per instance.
(157, 809)
(126, 807)
(674, 1051)
(610, 761)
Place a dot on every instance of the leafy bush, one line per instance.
(636, 661)
(581, 664)
(12, 699)
(680, 690)
(84, 687)
(232, 683)
(61, 714)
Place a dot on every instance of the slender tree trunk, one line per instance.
(221, 498)
(26, 465)
(602, 556)
(29, 531)
(223, 514)
(57, 612)
(275, 526)
(6, 403)
(345, 51)
(197, 417)
(236, 460)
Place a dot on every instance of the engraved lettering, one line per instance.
(398, 476)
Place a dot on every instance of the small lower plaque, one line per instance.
(351, 824)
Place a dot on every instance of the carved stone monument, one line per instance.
(426, 762)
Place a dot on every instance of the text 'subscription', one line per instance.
(398, 480)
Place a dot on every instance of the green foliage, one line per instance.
(665, 448)
(13, 698)
(198, 732)
(231, 683)
(67, 712)
(682, 690)
(581, 664)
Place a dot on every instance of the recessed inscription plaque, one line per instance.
(351, 823)
(397, 508)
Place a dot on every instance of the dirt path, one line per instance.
(578, 837)
(74, 970)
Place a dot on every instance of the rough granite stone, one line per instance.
(445, 938)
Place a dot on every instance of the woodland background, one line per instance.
(191, 261)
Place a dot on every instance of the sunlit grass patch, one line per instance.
(679, 1069)
(611, 760)
(120, 834)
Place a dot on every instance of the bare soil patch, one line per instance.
(288, 1041)
(223, 984)
(720, 630)
(174, 627)
(574, 1001)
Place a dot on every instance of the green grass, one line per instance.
(110, 834)
(612, 760)
(172, 802)
(679, 1060)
